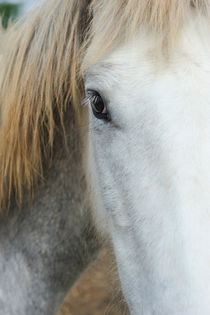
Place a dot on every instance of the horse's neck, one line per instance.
(45, 247)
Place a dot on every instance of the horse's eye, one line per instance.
(96, 102)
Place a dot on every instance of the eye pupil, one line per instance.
(98, 104)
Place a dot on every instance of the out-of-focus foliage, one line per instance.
(8, 12)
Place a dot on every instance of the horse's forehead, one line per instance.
(141, 57)
(135, 81)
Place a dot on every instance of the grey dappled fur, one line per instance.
(45, 245)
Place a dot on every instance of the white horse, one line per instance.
(145, 66)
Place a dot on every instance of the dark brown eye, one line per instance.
(97, 104)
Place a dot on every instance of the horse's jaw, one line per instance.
(150, 174)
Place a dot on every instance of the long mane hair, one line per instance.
(41, 75)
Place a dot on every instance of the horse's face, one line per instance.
(150, 169)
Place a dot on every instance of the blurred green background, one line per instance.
(8, 12)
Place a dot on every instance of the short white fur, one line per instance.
(150, 170)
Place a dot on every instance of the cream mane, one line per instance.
(123, 19)
(40, 71)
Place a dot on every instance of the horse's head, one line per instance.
(146, 67)
(149, 162)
